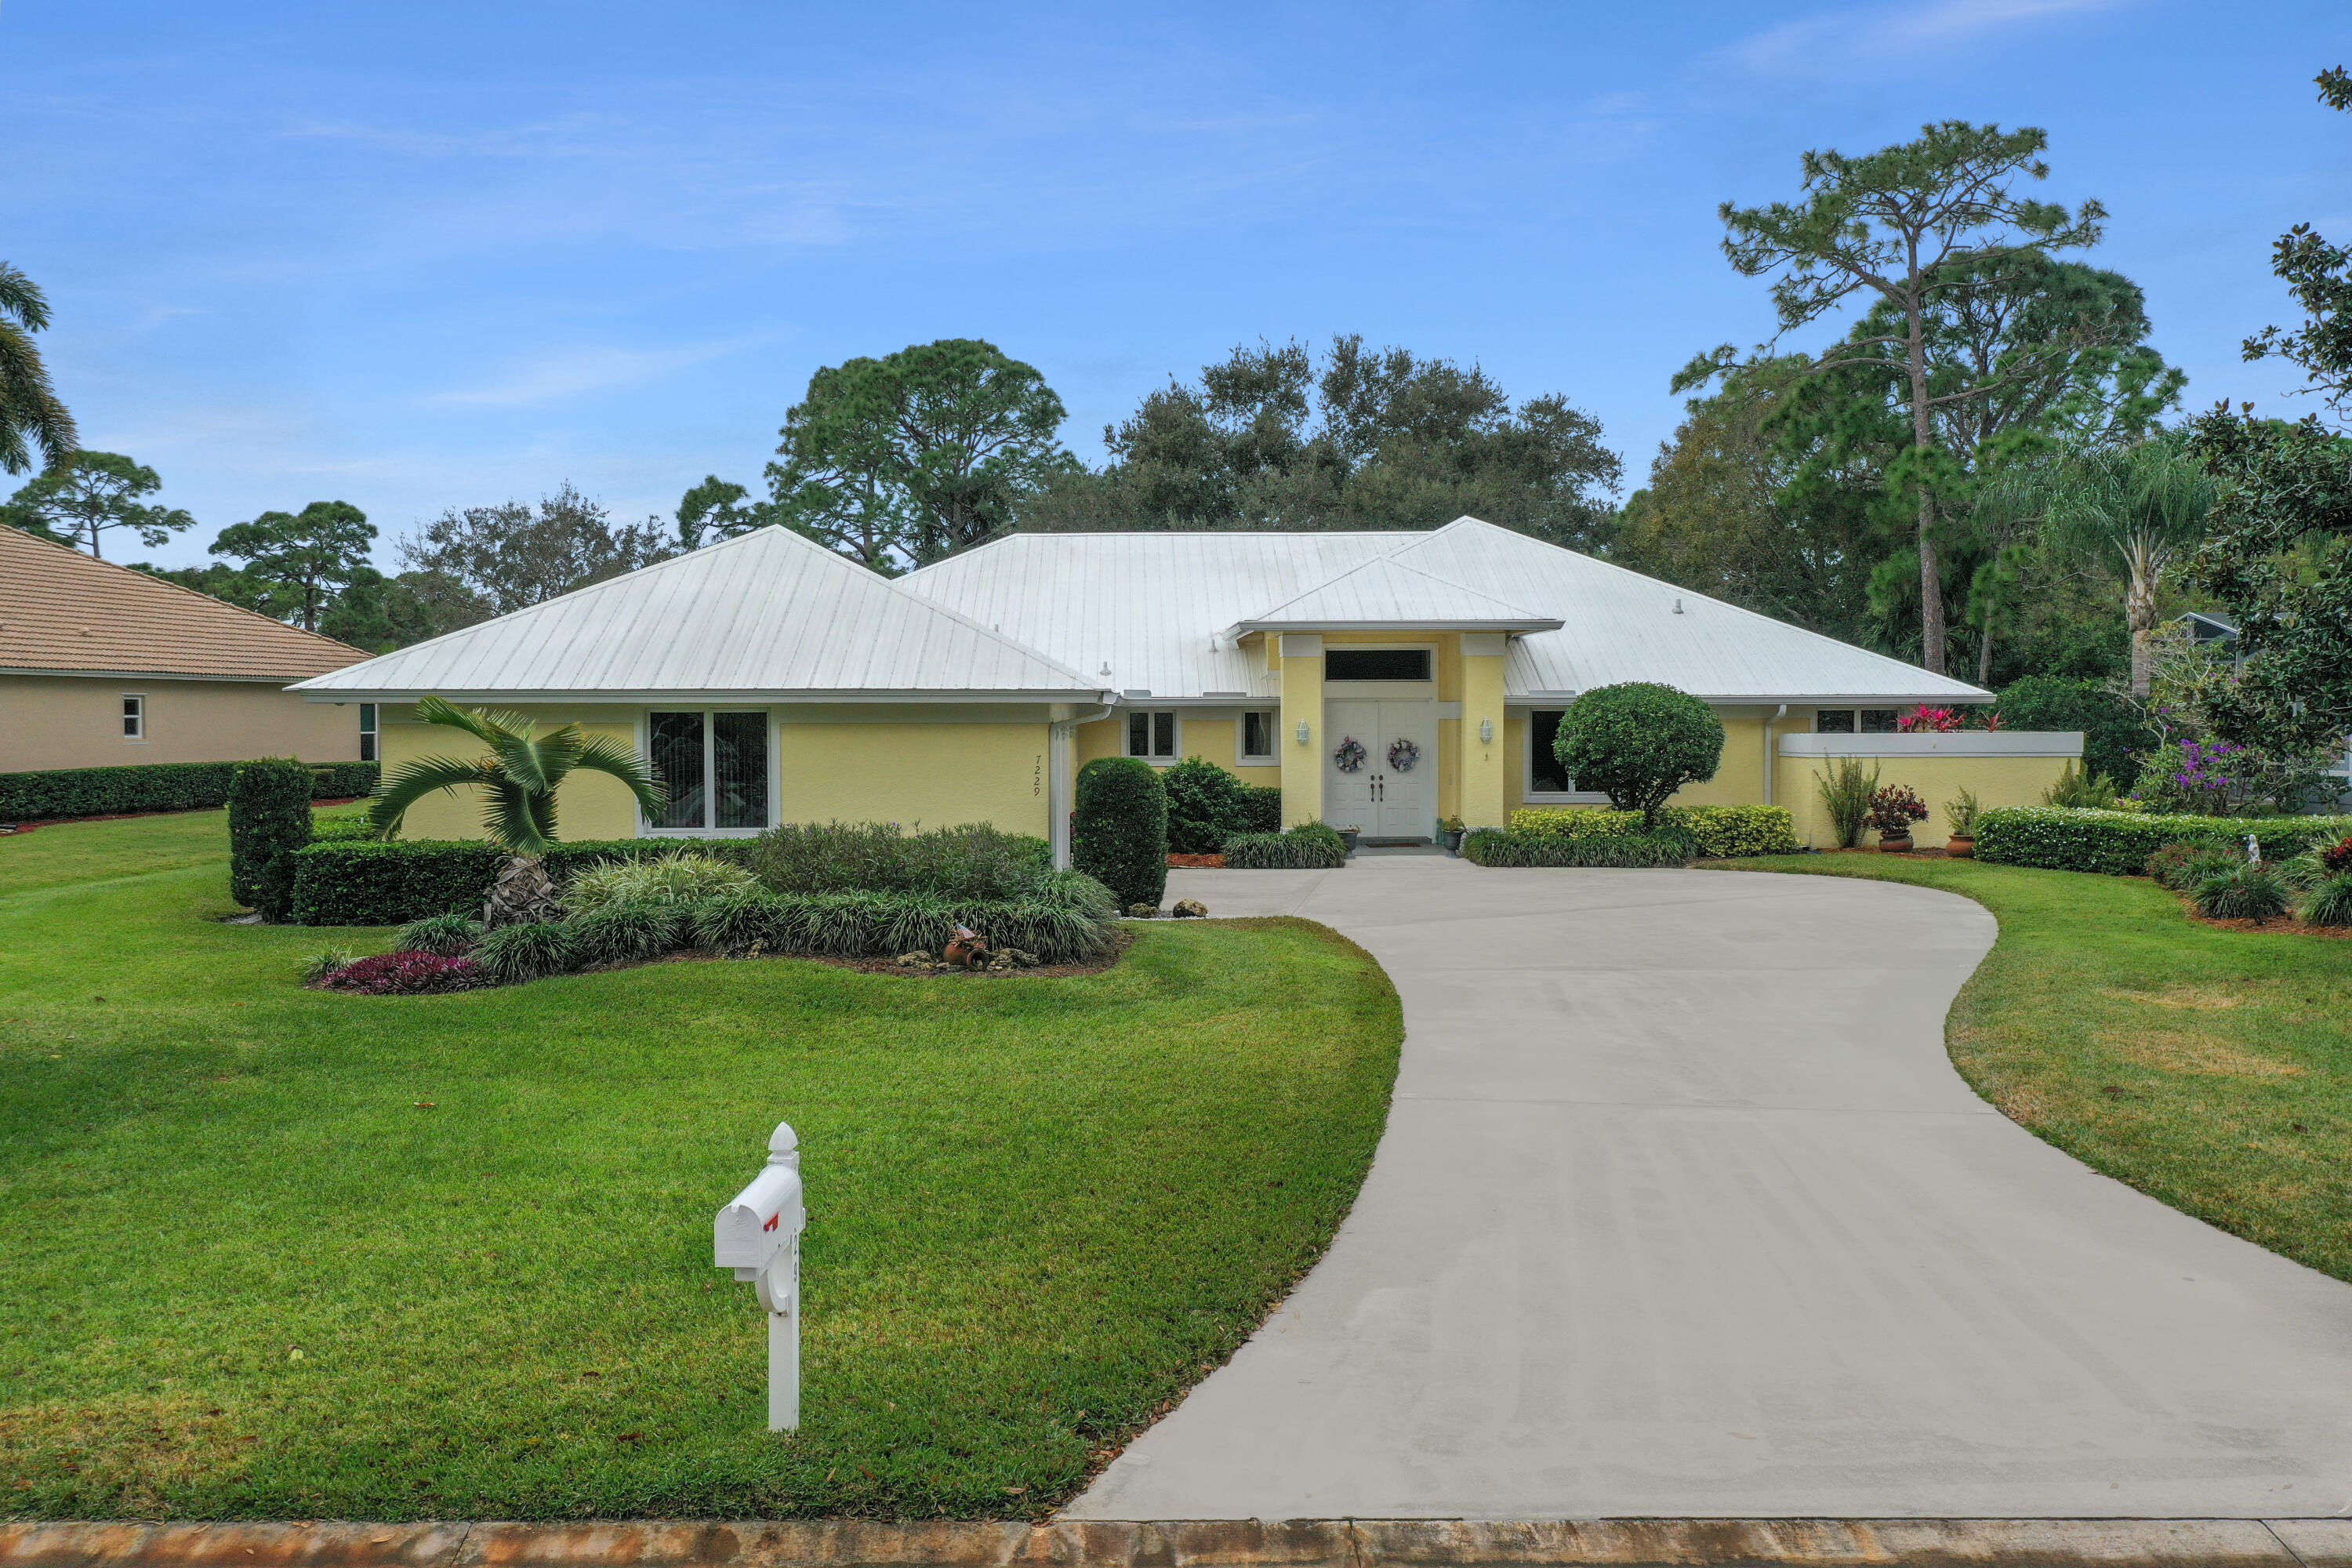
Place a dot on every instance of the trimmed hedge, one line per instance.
(1496, 846)
(2118, 843)
(268, 822)
(1118, 835)
(153, 786)
(1310, 846)
(1720, 832)
(1261, 809)
(370, 882)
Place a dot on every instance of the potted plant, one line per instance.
(1452, 829)
(1893, 809)
(1961, 813)
(1347, 835)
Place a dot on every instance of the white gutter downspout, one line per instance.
(1061, 736)
(1779, 714)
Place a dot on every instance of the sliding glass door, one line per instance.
(714, 762)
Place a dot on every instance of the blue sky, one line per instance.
(433, 255)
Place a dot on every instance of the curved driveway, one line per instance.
(1681, 1210)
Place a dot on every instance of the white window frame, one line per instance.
(1176, 727)
(1528, 793)
(645, 829)
(371, 732)
(1241, 754)
(134, 720)
(1856, 714)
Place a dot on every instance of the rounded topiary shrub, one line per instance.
(1638, 743)
(1205, 806)
(268, 820)
(1118, 835)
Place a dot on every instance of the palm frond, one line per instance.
(508, 813)
(411, 782)
(603, 754)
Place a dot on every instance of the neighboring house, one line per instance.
(2212, 630)
(770, 680)
(101, 666)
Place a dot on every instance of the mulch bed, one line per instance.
(1197, 862)
(2281, 924)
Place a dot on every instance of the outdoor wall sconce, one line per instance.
(1487, 731)
(1302, 731)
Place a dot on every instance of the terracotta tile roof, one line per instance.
(60, 609)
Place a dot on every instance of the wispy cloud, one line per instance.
(1838, 40)
(592, 370)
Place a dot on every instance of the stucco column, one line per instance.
(1302, 704)
(1485, 758)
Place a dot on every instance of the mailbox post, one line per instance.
(759, 1237)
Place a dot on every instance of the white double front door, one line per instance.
(1384, 800)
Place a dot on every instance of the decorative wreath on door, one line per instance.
(1350, 756)
(1402, 754)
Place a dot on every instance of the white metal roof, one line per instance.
(1384, 592)
(1153, 613)
(1067, 617)
(769, 614)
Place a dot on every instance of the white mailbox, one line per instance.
(759, 1237)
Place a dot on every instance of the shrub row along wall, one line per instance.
(367, 882)
(2118, 843)
(153, 786)
(1310, 846)
(1493, 846)
(1720, 832)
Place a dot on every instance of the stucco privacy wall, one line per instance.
(2004, 767)
(75, 722)
(827, 765)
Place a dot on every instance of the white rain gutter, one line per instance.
(1779, 714)
(1060, 740)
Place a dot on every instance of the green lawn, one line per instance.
(2210, 1068)
(1040, 1209)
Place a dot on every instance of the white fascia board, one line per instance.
(748, 699)
(1532, 624)
(1749, 700)
(1943, 744)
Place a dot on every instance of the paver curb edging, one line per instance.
(1200, 1543)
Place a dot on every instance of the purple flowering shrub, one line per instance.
(408, 974)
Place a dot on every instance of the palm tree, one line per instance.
(2135, 509)
(28, 406)
(518, 780)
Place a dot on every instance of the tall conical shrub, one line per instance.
(268, 820)
(1119, 833)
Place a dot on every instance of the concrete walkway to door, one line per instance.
(1681, 1210)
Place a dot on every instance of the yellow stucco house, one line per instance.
(771, 680)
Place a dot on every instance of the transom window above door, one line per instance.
(714, 762)
(1376, 664)
(1153, 734)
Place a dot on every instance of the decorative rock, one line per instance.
(1190, 910)
(1021, 960)
(1143, 912)
(918, 959)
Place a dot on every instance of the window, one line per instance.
(1151, 735)
(134, 717)
(715, 766)
(1257, 737)
(1851, 722)
(367, 732)
(1545, 776)
(1376, 664)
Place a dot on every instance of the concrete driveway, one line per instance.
(1681, 1210)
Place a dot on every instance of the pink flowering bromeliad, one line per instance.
(1924, 719)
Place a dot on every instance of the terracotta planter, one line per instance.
(1961, 847)
(1887, 846)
